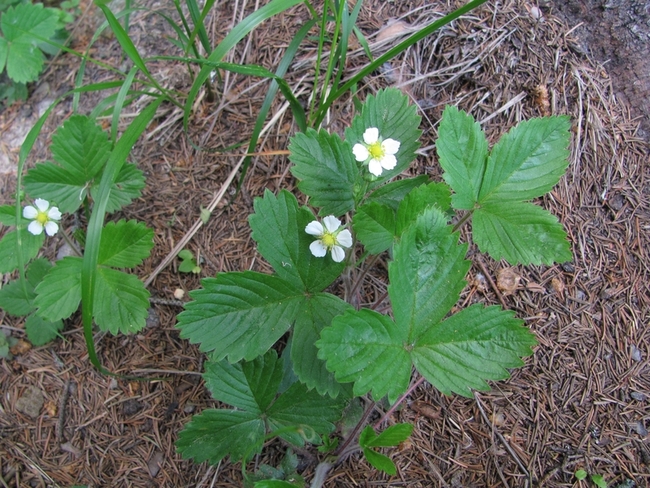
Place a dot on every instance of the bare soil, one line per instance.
(581, 401)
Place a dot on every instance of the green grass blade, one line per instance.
(119, 102)
(199, 27)
(95, 226)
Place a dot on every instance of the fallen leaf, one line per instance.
(154, 463)
(394, 29)
(423, 408)
(558, 286)
(21, 347)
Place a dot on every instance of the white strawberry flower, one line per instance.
(330, 238)
(43, 217)
(378, 152)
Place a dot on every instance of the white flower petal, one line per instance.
(338, 254)
(374, 166)
(318, 249)
(390, 146)
(371, 135)
(388, 161)
(54, 213)
(331, 223)
(360, 152)
(344, 238)
(35, 228)
(314, 228)
(51, 228)
(30, 212)
(41, 204)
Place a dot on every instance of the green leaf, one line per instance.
(214, 434)
(239, 315)
(374, 226)
(17, 299)
(390, 112)
(327, 171)
(81, 147)
(463, 150)
(379, 461)
(527, 161)
(30, 246)
(471, 346)
(56, 185)
(307, 410)
(581, 474)
(121, 301)
(59, 294)
(41, 331)
(390, 437)
(392, 194)
(599, 480)
(23, 26)
(419, 199)
(128, 185)
(249, 386)
(278, 226)
(8, 216)
(427, 273)
(520, 232)
(368, 349)
(316, 313)
(252, 386)
(125, 244)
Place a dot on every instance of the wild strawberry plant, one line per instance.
(331, 351)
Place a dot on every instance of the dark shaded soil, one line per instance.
(616, 33)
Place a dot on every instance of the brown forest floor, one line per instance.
(582, 399)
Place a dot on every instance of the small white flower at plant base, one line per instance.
(330, 238)
(43, 217)
(379, 153)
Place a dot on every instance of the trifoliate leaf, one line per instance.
(215, 434)
(246, 385)
(316, 313)
(367, 348)
(30, 245)
(520, 232)
(472, 346)
(326, 168)
(41, 331)
(23, 27)
(392, 194)
(427, 273)
(125, 244)
(59, 294)
(278, 226)
(252, 386)
(390, 112)
(240, 314)
(463, 150)
(374, 226)
(8, 216)
(121, 301)
(457, 354)
(527, 161)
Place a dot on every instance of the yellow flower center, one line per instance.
(42, 218)
(328, 239)
(375, 150)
